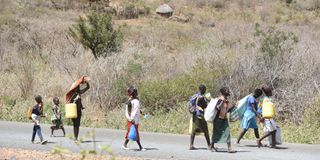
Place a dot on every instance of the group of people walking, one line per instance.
(220, 133)
(73, 96)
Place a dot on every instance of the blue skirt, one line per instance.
(248, 120)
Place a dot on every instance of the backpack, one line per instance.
(29, 112)
(191, 106)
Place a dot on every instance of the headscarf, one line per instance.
(74, 87)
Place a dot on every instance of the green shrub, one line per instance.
(97, 33)
(166, 94)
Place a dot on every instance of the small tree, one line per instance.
(96, 32)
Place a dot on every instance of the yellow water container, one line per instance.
(268, 110)
(71, 110)
(29, 112)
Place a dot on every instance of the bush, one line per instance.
(165, 95)
(97, 33)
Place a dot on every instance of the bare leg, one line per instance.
(64, 132)
(273, 137)
(256, 133)
(193, 135)
(263, 137)
(206, 135)
(52, 129)
(229, 148)
(126, 143)
(76, 132)
(241, 135)
(139, 144)
(212, 148)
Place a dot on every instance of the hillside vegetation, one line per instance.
(241, 44)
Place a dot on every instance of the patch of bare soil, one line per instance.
(23, 154)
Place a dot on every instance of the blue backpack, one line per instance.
(191, 106)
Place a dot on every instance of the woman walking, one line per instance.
(221, 132)
(133, 116)
(248, 120)
(74, 96)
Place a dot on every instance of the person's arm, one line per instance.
(74, 95)
(127, 113)
(55, 111)
(81, 91)
(253, 105)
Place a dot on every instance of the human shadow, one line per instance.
(57, 136)
(90, 141)
(278, 147)
(266, 146)
(224, 150)
(151, 149)
(147, 149)
(200, 149)
(251, 145)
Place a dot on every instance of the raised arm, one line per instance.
(81, 91)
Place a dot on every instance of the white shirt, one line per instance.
(135, 111)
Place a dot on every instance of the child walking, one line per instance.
(221, 132)
(57, 117)
(133, 116)
(248, 120)
(269, 124)
(37, 113)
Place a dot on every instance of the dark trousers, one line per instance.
(36, 130)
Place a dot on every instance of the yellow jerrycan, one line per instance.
(71, 110)
(268, 109)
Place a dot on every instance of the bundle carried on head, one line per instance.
(75, 86)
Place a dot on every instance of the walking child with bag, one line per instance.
(37, 114)
(268, 114)
(199, 123)
(56, 118)
(221, 132)
(133, 118)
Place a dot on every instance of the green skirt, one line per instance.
(221, 132)
(199, 124)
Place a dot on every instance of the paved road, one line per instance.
(159, 146)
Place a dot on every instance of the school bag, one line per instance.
(191, 106)
(210, 112)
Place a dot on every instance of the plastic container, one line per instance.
(71, 110)
(268, 110)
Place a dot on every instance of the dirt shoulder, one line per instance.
(23, 154)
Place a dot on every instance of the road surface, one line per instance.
(159, 146)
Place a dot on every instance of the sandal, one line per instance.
(214, 149)
(232, 151)
(259, 143)
(192, 148)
